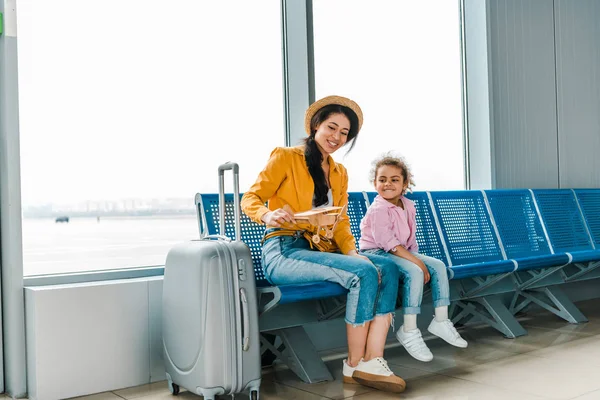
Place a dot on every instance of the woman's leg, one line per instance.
(373, 370)
(289, 260)
(357, 339)
(377, 336)
(385, 305)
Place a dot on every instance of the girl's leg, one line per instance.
(440, 288)
(441, 326)
(441, 313)
(410, 322)
(412, 279)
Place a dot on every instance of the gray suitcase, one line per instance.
(209, 316)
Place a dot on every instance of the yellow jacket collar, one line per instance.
(300, 150)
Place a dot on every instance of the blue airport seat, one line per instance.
(589, 202)
(469, 235)
(428, 236)
(565, 224)
(370, 196)
(481, 269)
(252, 234)
(357, 207)
(310, 291)
(521, 230)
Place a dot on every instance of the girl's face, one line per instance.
(389, 183)
(332, 133)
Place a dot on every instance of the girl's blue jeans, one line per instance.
(412, 279)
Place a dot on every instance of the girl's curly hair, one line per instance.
(395, 161)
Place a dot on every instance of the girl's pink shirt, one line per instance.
(386, 226)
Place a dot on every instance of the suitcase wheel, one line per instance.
(174, 388)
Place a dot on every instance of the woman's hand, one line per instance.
(354, 253)
(278, 217)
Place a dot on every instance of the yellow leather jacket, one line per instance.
(286, 180)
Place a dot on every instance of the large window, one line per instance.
(126, 110)
(400, 60)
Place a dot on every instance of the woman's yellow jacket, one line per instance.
(286, 180)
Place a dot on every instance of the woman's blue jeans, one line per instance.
(290, 260)
(412, 278)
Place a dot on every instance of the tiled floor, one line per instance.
(556, 360)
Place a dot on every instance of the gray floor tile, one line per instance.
(447, 388)
(534, 375)
(595, 395)
(99, 396)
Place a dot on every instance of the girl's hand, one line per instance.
(426, 275)
(278, 217)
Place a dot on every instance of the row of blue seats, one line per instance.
(475, 233)
(522, 242)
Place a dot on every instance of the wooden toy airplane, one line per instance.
(323, 218)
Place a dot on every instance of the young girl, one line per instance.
(388, 229)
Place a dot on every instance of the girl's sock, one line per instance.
(441, 313)
(410, 322)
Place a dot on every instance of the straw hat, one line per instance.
(325, 101)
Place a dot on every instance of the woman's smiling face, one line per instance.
(332, 133)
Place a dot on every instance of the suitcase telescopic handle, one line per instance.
(218, 237)
(236, 198)
(246, 320)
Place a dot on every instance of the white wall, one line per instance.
(578, 89)
(543, 90)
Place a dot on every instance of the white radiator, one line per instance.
(93, 337)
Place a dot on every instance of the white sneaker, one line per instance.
(445, 330)
(347, 372)
(375, 373)
(413, 343)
